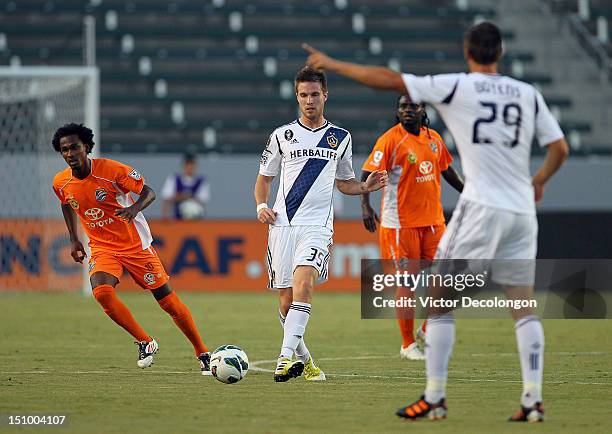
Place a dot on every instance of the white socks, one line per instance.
(530, 340)
(301, 351)
(439, 341)
(295, 326)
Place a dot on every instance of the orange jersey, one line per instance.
(95, 200)
(414, 163)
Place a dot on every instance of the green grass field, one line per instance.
(61, 354)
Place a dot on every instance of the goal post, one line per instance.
(34, 243)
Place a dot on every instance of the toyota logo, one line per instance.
(94, 213)
(425, 167)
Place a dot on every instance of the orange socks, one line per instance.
(118, 312)
(182, 318)
(405, 317)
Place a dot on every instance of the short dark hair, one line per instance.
(85, 135)
(189, 157)
(484, 43)
(308, 74)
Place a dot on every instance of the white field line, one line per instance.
(255, 367)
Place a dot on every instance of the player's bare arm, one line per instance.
(452, 177)
(374, 182)
(147, 196)
(370, 218)
(556, 154)
(265, 214)
(77, 251)
(374, 76)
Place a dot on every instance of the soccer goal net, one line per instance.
(34, 243)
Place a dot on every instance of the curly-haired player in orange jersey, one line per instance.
(98, 191)
(412, 220)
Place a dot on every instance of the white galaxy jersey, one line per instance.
(494, 120)
(311, 161)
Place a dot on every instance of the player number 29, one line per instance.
(511, 115)
(316, 255)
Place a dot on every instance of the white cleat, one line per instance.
(412, 352)
(145, 353)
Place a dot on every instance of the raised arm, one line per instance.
(146, 198)
(378, 77)
(262, 193)
(375, 181)
(556, 154)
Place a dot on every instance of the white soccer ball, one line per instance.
(191, 209)
(229, 364)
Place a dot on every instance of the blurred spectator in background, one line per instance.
(186, 194)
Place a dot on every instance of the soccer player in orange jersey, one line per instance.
(98, 191)
(412, 219)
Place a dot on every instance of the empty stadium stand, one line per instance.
(217, 75)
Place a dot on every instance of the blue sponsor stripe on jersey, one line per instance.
(311, 170)
(302, 184)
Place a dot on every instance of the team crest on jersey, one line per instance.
(149, 278)
(73, 203)
(412, 158)
(101, 194)
(434, 147)
(332, 140)
(135, 174)
(288, 135)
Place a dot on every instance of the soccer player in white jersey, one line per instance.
(313, 153)
(494, 119)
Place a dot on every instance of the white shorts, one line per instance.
(292, 246)
(479, 232)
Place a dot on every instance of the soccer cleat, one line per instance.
(145, 353)
(420, 338)
(287, 369)
(204, 359)
(423, 409)
(412, 352)
(525, 414)
(312, 372)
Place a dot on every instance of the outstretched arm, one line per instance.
(452, 177)
(146, 198)
(77, 251)
(555, 156)
(375, 181)
(374, 76)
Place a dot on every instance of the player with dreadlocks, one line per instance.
(415, 156)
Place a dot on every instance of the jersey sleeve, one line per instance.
(445, 156)
(431, 89)
(127, 178)
(59, 195)
(547, 129)
(271, 157)
(378, 158)
(344, 170)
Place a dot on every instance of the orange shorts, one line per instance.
(144, 266)
(410, 243)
